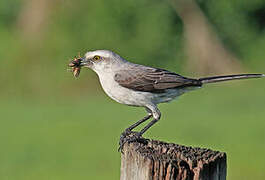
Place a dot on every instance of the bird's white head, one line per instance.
(100, 60)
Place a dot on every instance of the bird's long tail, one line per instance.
(215, 79)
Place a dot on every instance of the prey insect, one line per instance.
(76, 65)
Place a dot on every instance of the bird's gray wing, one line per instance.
(152, 79)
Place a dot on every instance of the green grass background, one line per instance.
(78, 138)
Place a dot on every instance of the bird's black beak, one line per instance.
(85, 62)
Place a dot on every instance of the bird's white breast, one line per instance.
(121, 94)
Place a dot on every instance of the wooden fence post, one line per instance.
(156, 160)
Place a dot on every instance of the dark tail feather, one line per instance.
(229, 77)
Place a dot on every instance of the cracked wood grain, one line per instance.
(156, 160)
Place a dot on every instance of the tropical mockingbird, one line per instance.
(138, 85)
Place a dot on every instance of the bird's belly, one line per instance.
(170, 94)
(137, 98)
(124, 95)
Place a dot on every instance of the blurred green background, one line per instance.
(54, 126)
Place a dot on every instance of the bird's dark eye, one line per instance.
(96, 57)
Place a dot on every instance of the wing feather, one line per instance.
(146, 79)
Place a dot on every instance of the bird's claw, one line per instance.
(128, 136)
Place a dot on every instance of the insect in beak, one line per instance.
(76, 65)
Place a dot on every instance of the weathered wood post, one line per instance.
(156, 160)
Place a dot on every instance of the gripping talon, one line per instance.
(128, 136)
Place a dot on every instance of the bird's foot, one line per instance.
(129, 136)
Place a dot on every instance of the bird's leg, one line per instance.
(156, 114)
(128, 135)
(129, 129)
(148, 126)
